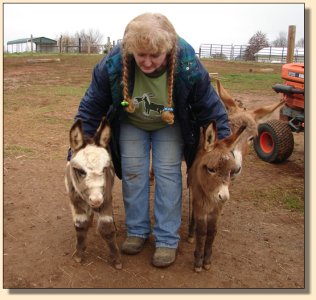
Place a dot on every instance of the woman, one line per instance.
(156, 95)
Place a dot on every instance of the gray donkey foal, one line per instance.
(89, 181)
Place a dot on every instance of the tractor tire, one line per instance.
(275, 141)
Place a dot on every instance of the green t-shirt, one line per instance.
(150, 95)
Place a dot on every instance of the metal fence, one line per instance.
(79, 48)
(219, 51)
(237, 52)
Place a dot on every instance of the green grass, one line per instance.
(292, 202)
(251, 82)
(291, 199)
(240, 77)
(16, 150)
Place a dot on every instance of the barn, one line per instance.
(278, 55)
(42, 44)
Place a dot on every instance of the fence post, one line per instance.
(290, 43)
(79, 45)
(60, 41)
(31, 43)
(108, 45)
(282, 57)
(232, 50)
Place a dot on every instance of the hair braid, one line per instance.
(130, 107)
(167, 115)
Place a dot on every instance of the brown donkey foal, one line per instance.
(89, 181)
(208, 180)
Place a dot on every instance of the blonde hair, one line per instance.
(154, 33)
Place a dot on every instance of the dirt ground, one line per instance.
(259, 245)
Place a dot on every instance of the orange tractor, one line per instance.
(275, 141)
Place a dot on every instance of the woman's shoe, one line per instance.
(164, 256)
(133, 245)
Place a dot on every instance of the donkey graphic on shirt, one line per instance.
(148, 104)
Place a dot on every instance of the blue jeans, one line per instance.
(167, 150)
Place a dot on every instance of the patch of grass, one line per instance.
(16, 150)
(250, 82)
(28, 54)
(42, 99)
(245, 76)
(293, 202)
(53, 120)
(278, 197)
(69, 91)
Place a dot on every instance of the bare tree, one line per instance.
(281, 41)
(300, 43)
(66, 41)
(91, 40)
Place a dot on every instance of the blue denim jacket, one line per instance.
(196, 102)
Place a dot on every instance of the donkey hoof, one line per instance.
(190, 239)
(198, 269)
(118, 266)
(77, 258)
(207, 266)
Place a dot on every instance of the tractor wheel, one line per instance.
(274, 142)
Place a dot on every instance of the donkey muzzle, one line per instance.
(223, 194)
(95, 200)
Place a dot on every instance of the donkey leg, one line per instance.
(82, 224)
(199, 243)
(191, 229)
(107, 230)
(211, 233)
(191, 220)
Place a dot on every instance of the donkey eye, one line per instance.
(250, 140)
(81, 173)
(210, 170)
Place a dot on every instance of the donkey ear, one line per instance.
(76, 136)
(227, 99)
(232, 140)
(260, 114)
(210, 137)
(103, 134)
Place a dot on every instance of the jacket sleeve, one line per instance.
(207, 106)
(96, 100)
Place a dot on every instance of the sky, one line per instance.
(210, 23)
